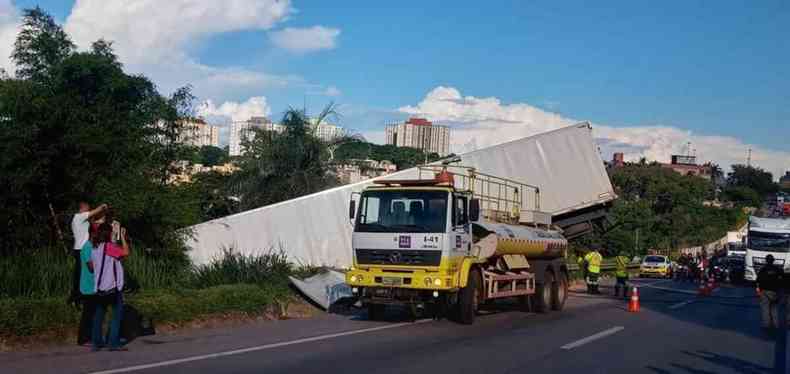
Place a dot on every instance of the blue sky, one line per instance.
(716, 69)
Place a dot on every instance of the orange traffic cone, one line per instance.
(633, 305)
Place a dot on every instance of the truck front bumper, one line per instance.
(395, 278)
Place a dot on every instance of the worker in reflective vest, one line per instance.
(593, 260)
(621, 273)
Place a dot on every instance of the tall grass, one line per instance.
(47, 272)
(271, 268)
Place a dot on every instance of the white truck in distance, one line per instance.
(767, 236)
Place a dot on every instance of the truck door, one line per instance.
(461, 233)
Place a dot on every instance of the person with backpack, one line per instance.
(109, 281)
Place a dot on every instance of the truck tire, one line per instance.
(468, 298)
(376, 311)
(559, 292)
(543, 294)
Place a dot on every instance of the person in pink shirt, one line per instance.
(109, 280)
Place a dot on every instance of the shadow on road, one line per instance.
(730, 308)
(722, 361)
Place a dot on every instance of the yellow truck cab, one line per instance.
(452, 242)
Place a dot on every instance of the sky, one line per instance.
(650, 76)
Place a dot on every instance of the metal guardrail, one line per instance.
(606, 265)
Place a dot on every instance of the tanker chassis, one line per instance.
(454, 242)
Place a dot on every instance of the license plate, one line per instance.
(391, 281)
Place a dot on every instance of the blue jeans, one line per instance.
(115, 322)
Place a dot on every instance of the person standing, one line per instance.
(621, 273)
(109, 280)
(769, 279)
(87, 292)
(593, 260)
(80, 227)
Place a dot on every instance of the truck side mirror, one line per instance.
(474, 210)
(352, 209)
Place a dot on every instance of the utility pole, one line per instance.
(636, 243)
(749, 158)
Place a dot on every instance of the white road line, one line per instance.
(681, 304)
(257, 348)
(593, 337)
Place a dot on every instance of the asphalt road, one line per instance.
(675, 332)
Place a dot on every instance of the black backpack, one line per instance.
(134, 325)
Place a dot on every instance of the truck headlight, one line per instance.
(428, 281)
(437, 282)
(356, 278)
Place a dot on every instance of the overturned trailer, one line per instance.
(564, 164)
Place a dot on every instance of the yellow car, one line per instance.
(655, 266)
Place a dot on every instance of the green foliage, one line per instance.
(403, 157)
(212, 190)
(210, 155)
(77, 126)
(35, 286)
(278, 166)
(40, 46)
(757, 179)
(743, 196)
(270, 268)
(665, 208)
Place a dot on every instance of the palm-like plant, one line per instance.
(281, 165)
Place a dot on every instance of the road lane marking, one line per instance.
(593, 337)
(258, 348)
(681, 304)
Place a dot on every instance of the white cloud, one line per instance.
(302, 40)
(221, 115)
(480, 122)
(234, 111)
(153, 37)
(9, 26)
(332, 91)
(150, 31)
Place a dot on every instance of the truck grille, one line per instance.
(398, 257)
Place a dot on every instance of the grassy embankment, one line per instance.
(35, 287)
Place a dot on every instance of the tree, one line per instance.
(210, 155)
(40, 46)
(752, 177)
(75, 126)
(278, 166)
(666, 209)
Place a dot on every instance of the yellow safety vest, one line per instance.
(593, 262)
(622, 266)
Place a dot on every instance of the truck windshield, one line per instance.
(402, 211)
(769, 242)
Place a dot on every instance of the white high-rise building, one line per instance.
(197, 133)
(421, 134)
(242, 130)
(326, 131)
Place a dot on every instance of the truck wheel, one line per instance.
(376, 311)
(468, 298)
(543, 294)
(559, 292)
